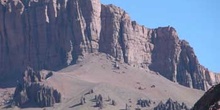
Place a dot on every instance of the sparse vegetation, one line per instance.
(171, 105)
(144, 103)
(113, 103)
(126, 107)
(82, 100)
(109, 99)
(99, 101)
(89, 92)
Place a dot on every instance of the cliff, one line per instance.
(210, 100)
(52, 34)
(31, 91)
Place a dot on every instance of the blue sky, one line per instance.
(197, 21)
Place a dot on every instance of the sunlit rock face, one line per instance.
(52, 34)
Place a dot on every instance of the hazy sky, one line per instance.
(197, 21)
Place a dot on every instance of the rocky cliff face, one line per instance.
(30, 91)
(52, 34)
(210, 100)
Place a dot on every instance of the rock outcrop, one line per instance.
(30, 91)
(52, 34)
(210, 100)
(176, 60)
(171, 105)
(144, 103)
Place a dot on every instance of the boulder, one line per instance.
(31, 91)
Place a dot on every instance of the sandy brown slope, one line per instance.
(96, 72)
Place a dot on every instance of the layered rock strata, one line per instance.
(52, 34)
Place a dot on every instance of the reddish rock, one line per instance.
(52, 34)
(30, 91)
(210, 100)
(124, 39)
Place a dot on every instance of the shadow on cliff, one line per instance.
(210, 100)
(31, 105)
(9, 82)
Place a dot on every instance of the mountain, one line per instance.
(210, 100)
(52, 34)
(97, 74)
(81, 54)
